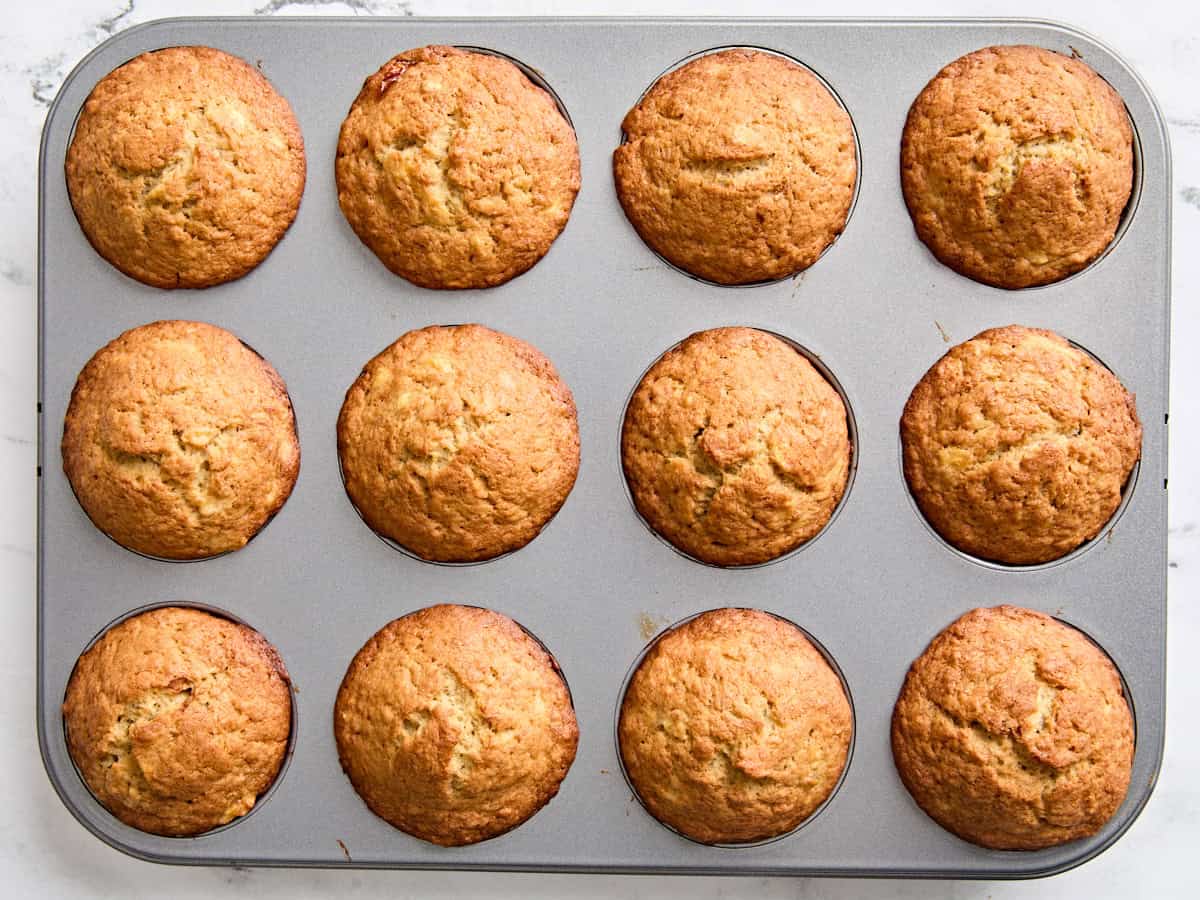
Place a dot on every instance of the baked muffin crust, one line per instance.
(735, 448)
(458, 442)
(1016, 164)
(1012, 731)
(456, 169)
(1017, 445)
(178, 720)
(734, 728)
(454, 725)
(186, 167)
(180, 441)
(737, 167)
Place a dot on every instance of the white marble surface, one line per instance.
(44, 853)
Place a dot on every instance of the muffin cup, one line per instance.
(739, 845)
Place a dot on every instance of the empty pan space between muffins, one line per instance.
(829, 661)
(163, 701)
(822, 370)
(750, 51)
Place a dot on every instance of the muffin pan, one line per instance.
(877, 309)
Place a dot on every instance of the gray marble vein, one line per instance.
(358, 7)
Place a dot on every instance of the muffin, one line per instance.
(458, 443)
(1016, 164)
(178, 720)
(735, 448)
(180, 441)
(455, 169)
(1012, 731)
(737, 167)
(186, 167)
(454, 725)
(1017, 445)
(734, 728)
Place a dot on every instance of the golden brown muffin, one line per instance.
(1012, 731)
(180, 441)
(1017, 445)
(186, 167)
(734, 728)
(454, 724)
(735, 448)
(737, 167)
(1016, 163)
(178, 720)
(455, 169)
(458, 442)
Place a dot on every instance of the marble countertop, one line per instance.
(45, 853)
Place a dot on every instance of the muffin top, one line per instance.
(454, 725)
(1016, 163)
(734, 728)
(1012, 731)
(458, 442)
(1017, 445)
(737, 167)
(186, 167)
(735, 448)
(180, 441)
(456, 169)
(178, 720)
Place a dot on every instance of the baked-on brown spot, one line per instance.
(454, 725)
(735, 448)
(1016, 163)
(455, 169)
(737, 167)
(734, 728)
(1017, 445)
(186, 167)
(180, 441)
(178, 720)
(1012, 731)
(458, 442)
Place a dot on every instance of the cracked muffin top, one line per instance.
(1017, 445)
(186, 167)
(734, 728)
(1016, 164)
(458, 442)
(180, 441)
(1012, 731)
(735, 448)
(737, 167)
(455, 169)
(178, 720)
(454, 725)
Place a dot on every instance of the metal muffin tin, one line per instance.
(875, 587)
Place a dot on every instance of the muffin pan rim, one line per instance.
(1142, 665)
